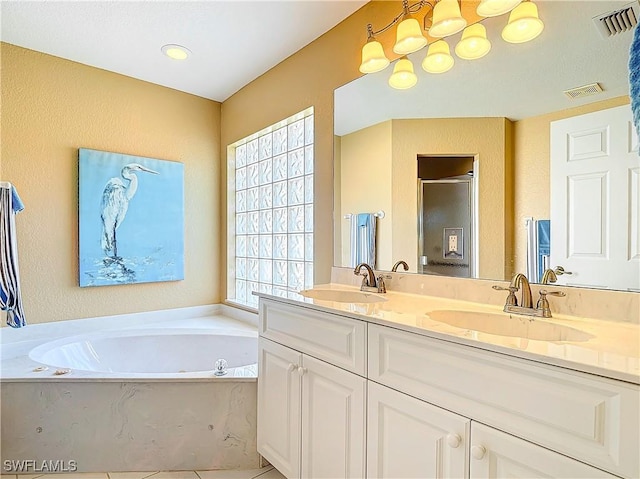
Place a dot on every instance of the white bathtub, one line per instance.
(152, 352)
(139, 388)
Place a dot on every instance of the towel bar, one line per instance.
(379, 214)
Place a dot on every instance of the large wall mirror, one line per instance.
(477, 140)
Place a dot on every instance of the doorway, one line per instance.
(446, 216)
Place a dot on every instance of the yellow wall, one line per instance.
(365, 176)
(531, 170)
(398, 142)
(307, 78)
(50, 108)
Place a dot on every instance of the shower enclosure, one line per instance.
(446, 244)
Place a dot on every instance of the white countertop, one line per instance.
(613, 351)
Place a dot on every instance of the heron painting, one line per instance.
(131, 219)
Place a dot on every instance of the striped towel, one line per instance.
(634, 78)
(10, 297)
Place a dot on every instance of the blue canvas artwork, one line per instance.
(131, 227)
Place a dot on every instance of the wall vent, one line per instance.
(618, 21)
(584, 90)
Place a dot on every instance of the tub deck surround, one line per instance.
(139, 421)
(136, 425)
(613, 351)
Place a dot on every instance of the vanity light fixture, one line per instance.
(373, 57)
(403, 76)
(524, 24)
(493, 8)
(474, 43)
(176, 52)
(447, 19)
(438, 59)
(443, 18)
(409, 37)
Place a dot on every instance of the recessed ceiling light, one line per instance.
(176, 52)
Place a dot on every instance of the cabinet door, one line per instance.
(333, 421)
(495, 454)
(279, 406)
(409, 438)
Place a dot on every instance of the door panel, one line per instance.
(594, 200)
(495, 454)
(279, 407)
(333, 422)
(409, 438)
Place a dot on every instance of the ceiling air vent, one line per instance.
(618, 21)
(584, 90)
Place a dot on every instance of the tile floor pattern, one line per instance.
(268, 472)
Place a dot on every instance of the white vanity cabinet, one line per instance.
(410, 438)
(336, 392)
(311, 413)
(591, 419)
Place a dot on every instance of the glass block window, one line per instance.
(270, 184)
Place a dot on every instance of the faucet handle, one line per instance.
(512, 289)
(544, 292)
(543, 302)
(511, 299)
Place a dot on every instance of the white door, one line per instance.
(279, 406)
(595, 200)
(495, 454)
(333, 422)
(409, 438)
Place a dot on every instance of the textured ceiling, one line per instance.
(232, 42)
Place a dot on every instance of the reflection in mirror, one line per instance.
(498, 113)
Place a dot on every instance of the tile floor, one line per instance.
(268, 472)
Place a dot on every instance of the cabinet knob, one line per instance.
(454, 440)
(478, 452)
(292, 367)
(301, 371)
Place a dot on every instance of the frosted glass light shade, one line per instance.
(403, 76)
(438, 59)
(474, 43)
(373, 58)
(447, 19)
(493, 8)
(409, 37)
(524, 24)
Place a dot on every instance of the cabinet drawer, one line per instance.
(338, 340)
(589, 418)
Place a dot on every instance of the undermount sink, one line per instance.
(509, 325)
(342, 296)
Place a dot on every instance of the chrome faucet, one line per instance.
(526, 307)
(404, 265)
(369, 281)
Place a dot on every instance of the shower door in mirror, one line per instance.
(446, 243)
